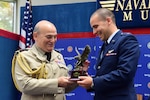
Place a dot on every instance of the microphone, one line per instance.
(82, 57)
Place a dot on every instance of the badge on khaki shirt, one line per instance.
(59, 57)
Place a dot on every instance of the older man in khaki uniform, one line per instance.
(37, 77)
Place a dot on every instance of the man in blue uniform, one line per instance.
(117, 62)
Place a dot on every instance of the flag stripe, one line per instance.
(26, 29)
(22, 39)
(90, 34)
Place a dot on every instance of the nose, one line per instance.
(94, 32)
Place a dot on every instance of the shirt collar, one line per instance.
(39, 50)
(111, 36)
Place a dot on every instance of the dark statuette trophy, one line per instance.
(81, 60)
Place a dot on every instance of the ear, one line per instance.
(35, 35)
(109, 20)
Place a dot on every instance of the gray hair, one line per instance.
(36, 29)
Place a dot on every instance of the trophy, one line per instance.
(81, 62)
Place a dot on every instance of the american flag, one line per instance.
(26, 29)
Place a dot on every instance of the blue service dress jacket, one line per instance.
(115, 71)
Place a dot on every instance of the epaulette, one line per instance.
(21, 50)
(26, 49)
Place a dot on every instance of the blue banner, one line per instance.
(129, 13)
(142, 77)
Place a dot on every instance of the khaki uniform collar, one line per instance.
(40, 54)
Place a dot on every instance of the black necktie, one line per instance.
(105, 44)
(103, 49)
(48, 54)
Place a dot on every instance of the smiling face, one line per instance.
(46, 36)
(101, 27)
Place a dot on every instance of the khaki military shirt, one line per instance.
(42, 89)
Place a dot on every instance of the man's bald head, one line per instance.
(45, 35)
(43, 24)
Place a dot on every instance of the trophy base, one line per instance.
(76, 73)
(74, 79)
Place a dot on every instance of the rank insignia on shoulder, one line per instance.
(21, 50)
